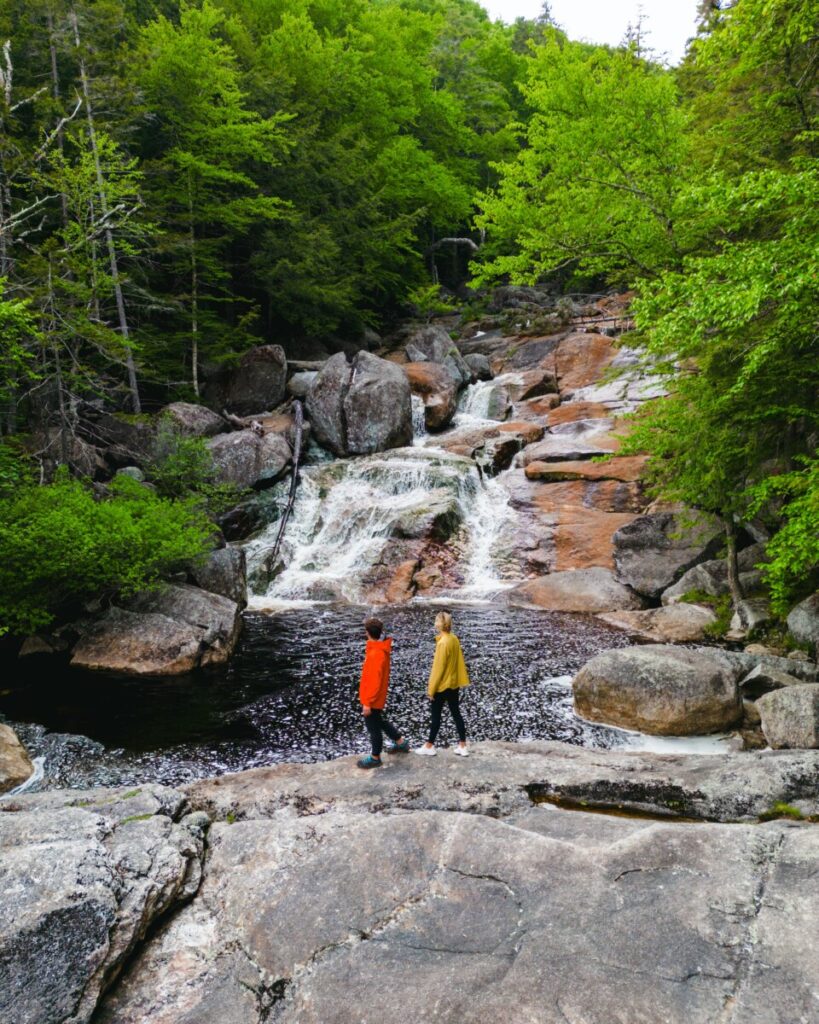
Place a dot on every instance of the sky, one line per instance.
(669, 22)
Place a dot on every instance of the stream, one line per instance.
(290, 691)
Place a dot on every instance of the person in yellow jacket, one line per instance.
(446, 680)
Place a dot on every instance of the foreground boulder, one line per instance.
(360, 407)
(653, 551)
(15, 764)
(164, 633)
(803, 622)
(452, 918)
(666, 691)
(578, 590)
(84, 874)
(790, 716)
(245, 459)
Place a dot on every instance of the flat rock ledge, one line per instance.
(450, 887)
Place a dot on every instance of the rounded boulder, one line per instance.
(658, 689)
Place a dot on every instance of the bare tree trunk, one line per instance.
(298, 416)
(734, 585)
(109, 235)
(194, 297)
(55, 91)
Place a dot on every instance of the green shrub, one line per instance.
(182, 467)
(59, 545)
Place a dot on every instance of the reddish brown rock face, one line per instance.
(570, 412)
(627, 468)
(580, 360)
(435, 385)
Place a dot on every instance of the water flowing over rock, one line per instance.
(666, 691)
(353, 517)
(653, 551)
(581, 590)
(194, 420)
(360, 407)
(15, 764)
(790, 716)
(84, 875)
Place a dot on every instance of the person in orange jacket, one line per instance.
(375, 679)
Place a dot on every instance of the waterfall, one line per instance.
(419, 421)
(476, 402)
(348, 513)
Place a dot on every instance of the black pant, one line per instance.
(452, 698)
(377, 724)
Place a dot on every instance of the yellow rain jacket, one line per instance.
(448, 665)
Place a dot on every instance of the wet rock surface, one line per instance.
(84, 875)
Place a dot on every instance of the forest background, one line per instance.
(181, 181)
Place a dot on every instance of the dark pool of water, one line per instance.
(290, 694)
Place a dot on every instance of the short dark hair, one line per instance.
(375, 627)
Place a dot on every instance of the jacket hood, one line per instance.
(380, 645)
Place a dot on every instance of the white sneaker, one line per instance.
(461, 751)
(425, 751)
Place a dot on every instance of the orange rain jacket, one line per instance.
(375, 673)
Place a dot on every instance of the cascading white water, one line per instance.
(347, 512)
(419, 422)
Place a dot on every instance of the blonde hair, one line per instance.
(443, 622)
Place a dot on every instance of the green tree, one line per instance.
(595, 186)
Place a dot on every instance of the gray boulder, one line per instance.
(131, 643)
(194, 420)
(300, 383)
(258, 383)
(711, 577)
(803, 621)
(216, 618)
(744, 662)
(15, 764)
(676, 624)
(790, 716)
(479, 365)
(360, 407)
(245, 459)
(654, 550)
(434, 344)
(579, 590)
(167, 632)
(763, 679)
(225, 573)
(750, 614)
(663, 690)
(84, 874)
